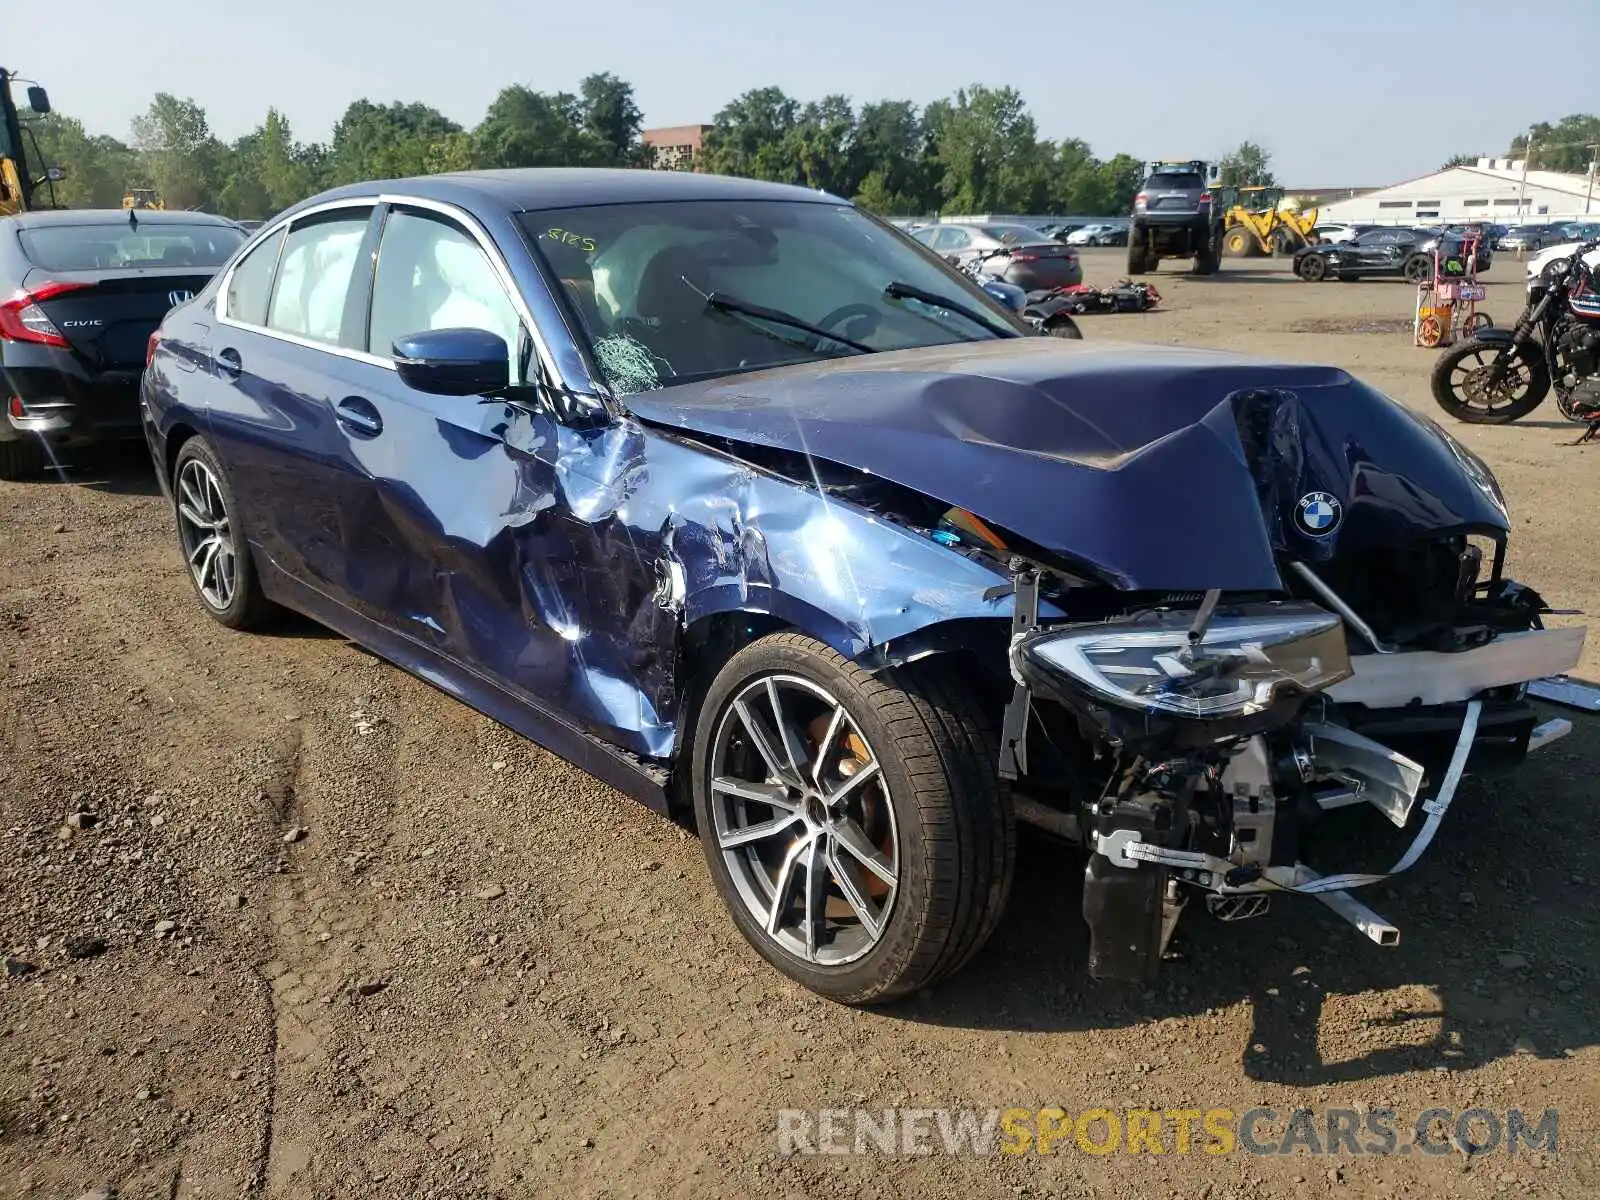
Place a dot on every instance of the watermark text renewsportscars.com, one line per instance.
(1213, 1131)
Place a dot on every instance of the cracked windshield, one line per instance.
(669, 293)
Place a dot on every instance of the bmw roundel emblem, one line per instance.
(1318, 514)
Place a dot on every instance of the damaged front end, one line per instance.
(1217, 731)
(1244, 596)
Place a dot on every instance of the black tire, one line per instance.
(936, 753)
(1063, 326)
(1137, 258)
(242, 605)
(1286, 242)
(1447, 391)
(1208, 258)
(21, 459)
(1236, 242)
(1418, 268)
(1313, 268)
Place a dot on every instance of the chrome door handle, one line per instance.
(359, 416)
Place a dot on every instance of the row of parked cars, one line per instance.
(87, 289)
(1524, 238)
(1384, 250)
(1349, 252)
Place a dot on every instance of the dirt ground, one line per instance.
(328, 933)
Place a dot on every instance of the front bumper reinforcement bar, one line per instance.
(1125, 849)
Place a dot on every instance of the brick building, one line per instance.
(675, 147)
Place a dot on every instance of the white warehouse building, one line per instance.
(1492, 190)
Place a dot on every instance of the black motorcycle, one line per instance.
(1503, 374)
(1042, 310)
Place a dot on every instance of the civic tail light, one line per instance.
(15, 407)
(150, 348)
(1023, 256)
(22, 320)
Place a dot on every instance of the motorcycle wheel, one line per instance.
(1458, 385)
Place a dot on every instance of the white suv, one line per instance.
(1549, 254)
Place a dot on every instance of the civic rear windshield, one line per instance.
(110, 246)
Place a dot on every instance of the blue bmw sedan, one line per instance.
(750, 505)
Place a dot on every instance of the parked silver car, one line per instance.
(1530, 238)
(1017, 254)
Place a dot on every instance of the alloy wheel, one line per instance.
(803, 820)
(206, 535)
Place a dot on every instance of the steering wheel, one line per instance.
(846, 311)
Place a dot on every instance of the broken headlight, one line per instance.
(1254, 661)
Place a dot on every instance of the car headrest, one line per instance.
(673, 284)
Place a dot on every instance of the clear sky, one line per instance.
(1345, 93)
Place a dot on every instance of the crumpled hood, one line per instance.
(1154, 467)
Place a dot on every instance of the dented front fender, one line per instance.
(626, 537)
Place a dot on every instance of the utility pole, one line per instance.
(1594, 160)
(1522, 187)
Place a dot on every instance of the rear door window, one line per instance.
(250, 285)
(314, 274)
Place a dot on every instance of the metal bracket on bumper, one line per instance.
(1014, 725)
(1125, 849)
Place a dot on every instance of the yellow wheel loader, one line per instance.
(143, 198)
(19, 185)
(1258, 221)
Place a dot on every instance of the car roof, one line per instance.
(525, 188)
(55, 217)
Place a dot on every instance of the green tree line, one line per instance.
(1570, 145)
(976, 151)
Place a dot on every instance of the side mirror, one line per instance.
(56, 174)
(38, 100)
(453, 362)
